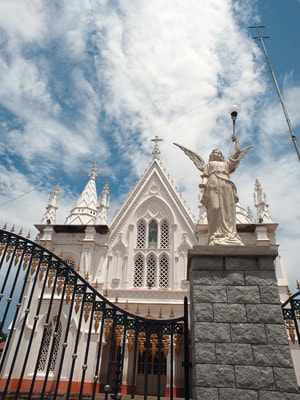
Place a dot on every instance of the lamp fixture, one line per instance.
(234, 110)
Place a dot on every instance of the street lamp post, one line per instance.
(234, 110)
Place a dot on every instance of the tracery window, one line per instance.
(151, 268)
(151, 272)
(164, 235)
(152, 234)
(138, 271)
(47, 345)
(141, 235)
(164, 272)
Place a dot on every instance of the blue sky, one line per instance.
(95, 80)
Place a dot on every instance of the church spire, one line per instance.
(50, 214)
(85, 210)
(156, 151)
(260, 202)
(93, 172)
(101, 218)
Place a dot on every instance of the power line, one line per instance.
(287, 118)
(32, 190)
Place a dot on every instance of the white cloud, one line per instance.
(23, 21)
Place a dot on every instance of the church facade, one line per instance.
(138, 260)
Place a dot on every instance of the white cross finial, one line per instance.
(156, 151)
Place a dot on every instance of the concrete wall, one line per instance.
(240, 345)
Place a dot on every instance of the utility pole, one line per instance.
(261, 39)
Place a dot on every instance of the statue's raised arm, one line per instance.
(239, 154)
(219, 193)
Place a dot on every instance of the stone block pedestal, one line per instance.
(239, 341)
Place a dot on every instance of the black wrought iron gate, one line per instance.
(291, 315)
(66, 340)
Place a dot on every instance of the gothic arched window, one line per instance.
(48, 343)
(151, 268)
(138, 271)
(152, 234)
(151, 272)
(164, 235)
(141, 235)
(164, 272)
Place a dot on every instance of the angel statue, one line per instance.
(219, 193)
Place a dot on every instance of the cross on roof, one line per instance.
(156, 151)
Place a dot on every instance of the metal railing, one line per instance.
(291, 316)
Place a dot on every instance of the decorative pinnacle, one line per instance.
(94, 172)
(156, 151)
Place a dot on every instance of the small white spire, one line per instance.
(260, 202)
(50, 214)
(156, 151)
(105, 196)
(101, 217)
(85, 209)
(250, 215)
(242, 214)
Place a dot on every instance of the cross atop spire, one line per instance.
(156, 151)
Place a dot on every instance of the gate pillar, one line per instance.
(240, 344)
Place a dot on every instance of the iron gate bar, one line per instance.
(108, 376)
(171, 366)
(24, 325)
(137, 331)
(25, 320)
(187, 364)
(146, 365)
(74, 355)
(159, 364)
(35, 267)
(296, 306)
(40, 261)
(4, 286)
(69, 280)
(123, 348)
(55, 328)
(9, 300)
(84, 367)
(99, 351)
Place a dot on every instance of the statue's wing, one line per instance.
(197, 160)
